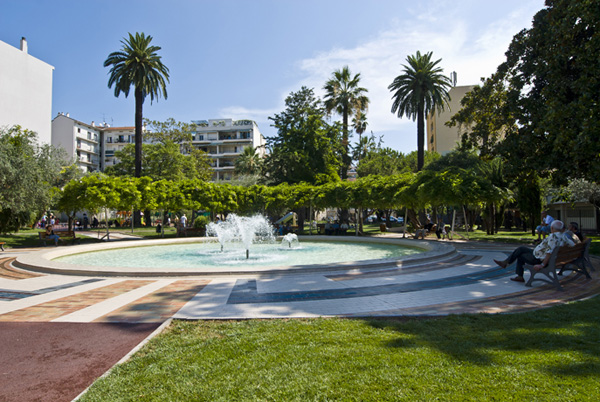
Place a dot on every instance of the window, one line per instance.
(109, 140)
(78, 143)
(78, 130)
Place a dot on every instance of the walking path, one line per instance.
(468, 282)
(61, 332)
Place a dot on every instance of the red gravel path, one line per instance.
(57, 361)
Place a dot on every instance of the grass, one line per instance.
(545, 355)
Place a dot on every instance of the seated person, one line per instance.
(51, 235)
(544, 228)
(428, 226)
(574, 233)
(540, 255)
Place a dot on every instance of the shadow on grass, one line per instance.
(565, 339)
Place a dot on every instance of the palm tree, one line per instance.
(248, 162)
(138, 64)
(420, 89)
(346, 98)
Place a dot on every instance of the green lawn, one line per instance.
(545, 355)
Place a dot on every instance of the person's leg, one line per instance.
(525, 258)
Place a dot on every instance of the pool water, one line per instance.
(209, 254)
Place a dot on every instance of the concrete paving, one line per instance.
(467, 281)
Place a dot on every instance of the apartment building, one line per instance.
(441, 138)
(83, 142)
(94, 146)
(115, 139)
(25, 91)
(224, 140)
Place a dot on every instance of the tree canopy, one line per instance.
(28, 171)
(420, 89)
(306, 148)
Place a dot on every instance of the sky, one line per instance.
(240, 59)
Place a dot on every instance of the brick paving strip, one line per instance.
(56, 308)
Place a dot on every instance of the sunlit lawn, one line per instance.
(544, 355)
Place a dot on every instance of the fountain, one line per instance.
(247, 245)
(242, 229)
(290, 239)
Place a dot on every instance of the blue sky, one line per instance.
(241, 58)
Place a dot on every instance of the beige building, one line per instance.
(25, 91)
(441, 138)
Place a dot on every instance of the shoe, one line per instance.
(502, 264)
(518, 279)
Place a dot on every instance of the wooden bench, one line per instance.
(62, 234)
(574, 258)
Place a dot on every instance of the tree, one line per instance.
(420, 89)
(162, 160)
(248, 163)
(137, 64)
(551, 72)
(28, 172)
(306, 147)
(483, 118)
(344, 96)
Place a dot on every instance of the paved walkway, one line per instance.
(468, 282)
(60, 333)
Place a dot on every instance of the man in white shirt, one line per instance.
(544, 228)
(540, 255)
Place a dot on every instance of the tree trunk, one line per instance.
(139, 106)
(420, 137)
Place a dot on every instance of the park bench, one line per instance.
(574, 258)
(63, 234)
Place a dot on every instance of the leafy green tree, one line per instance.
(28, 171)
(137, 64)
(306, 147)
(551, 72)
(420, 89)
(344, 96)
(249, 162)
(162, 160)
(483, 118)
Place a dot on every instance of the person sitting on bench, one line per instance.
(51, 235)
(540, 255)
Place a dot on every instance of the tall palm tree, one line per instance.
(344, 96)
(420, 89)
(138, 64)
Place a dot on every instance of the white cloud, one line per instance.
(466, 46)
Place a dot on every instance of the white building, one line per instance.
(83, 142)
(115, 139)
(94, 147)
(224, 140)
(25, 91)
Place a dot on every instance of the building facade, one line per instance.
(224, 140)
(83, 142)
(441, 138)
(25, 91)
(93, 147)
